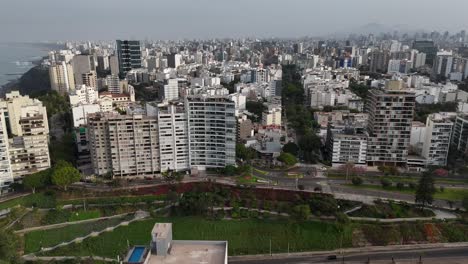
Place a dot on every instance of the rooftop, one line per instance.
(193, 252)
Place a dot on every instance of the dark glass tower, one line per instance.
(129, 54)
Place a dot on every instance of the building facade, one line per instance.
(129, 56)
(212, 131)
(389, 128)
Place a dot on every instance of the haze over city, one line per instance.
(27, 20)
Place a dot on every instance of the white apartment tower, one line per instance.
(6, 177)
(61, 77)
(173, 136)
(212, 131)
(437, 140)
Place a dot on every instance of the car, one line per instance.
(332, 257)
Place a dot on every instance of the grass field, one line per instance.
(115, 200)
(46, 238)
(84, 215)
(448, 194)
(403, 179)
(40, 200)
(305, 236)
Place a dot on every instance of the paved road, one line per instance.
(432, 255)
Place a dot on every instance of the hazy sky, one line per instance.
(32, 20)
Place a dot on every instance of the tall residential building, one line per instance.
(443, 64)
(428, 47)
(212, 131)
(171, 90)
(6, 177)
(272, 116)
(173, 136)
(89, 79)
(123, 145)
(82, 64)
(113, 84)
(129, 56)
(379, 61)
(346, 142)
(174, 60)
(114, 65)
(460, 134)
(437, 139)
(61, 77)
(390, 116)
(28, 130)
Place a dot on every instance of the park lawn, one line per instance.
(452, 194)
(40, 200)
(403, 179)
(249, 236)
(46, 238)
(114, 200)
(260, 171)
(246, 179)
(84, 215)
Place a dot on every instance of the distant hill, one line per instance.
(34, 81)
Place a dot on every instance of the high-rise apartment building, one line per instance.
(428, 47)
(129, 56)
(437, 139)
(460, 134)
(212, 131)
(61, 77)
(113, 84)
(26, 125)
(89, 79)
(379, 61)
(390, 117)
(123, 145)
(171, 90)
(173, 136)
(82, 64)
(6, 177)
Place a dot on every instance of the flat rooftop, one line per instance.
(193, 252)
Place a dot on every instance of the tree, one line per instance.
(301, 212)
(357, 181)
(64, 174)
(244, 153)
(465, 202)
(287, 159)
(385, 183)
(347, 168)
(37, 180)
(291, 148)
(8, 247)
(229, 170)
(425, 190)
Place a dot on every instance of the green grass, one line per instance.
(451, 194)
(46, 238)
(115, 200)
(260, 171)
(403, 179)
(246, 179)
(244, 236)
(40, 200)
(84, 215)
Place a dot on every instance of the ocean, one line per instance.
(17, 58)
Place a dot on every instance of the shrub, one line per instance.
(400, 185)
(301, 187)
(357, 180)
(412, 185)
(385, 183)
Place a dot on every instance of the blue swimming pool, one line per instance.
(136, 255)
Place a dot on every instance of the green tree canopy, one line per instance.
(301, 212)
(37, 180)
(287, 159)
(244, 153)
(291, 148)
(65, 174)
(425, 190)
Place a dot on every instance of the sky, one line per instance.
(40, 20)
